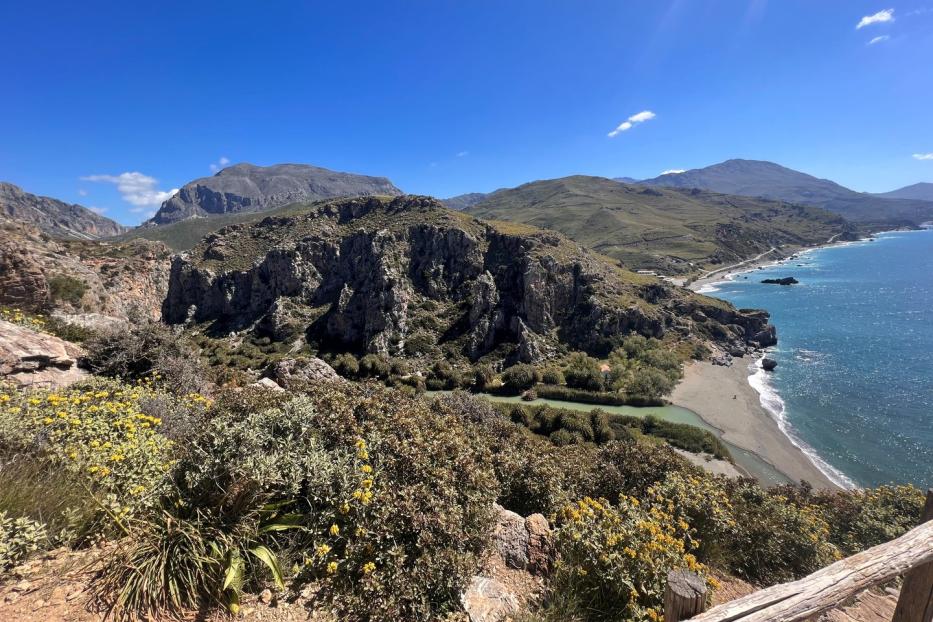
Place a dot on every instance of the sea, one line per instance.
(854, 382)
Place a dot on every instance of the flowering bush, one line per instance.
(16, 316)
(99, 432)
(379, 500)
(614, 559)
(702, 502)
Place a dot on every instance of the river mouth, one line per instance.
(747, 461)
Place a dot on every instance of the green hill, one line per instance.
(669, 230)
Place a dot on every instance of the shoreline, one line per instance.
(708, 390)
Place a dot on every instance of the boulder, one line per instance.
(768, 364)
(304, 369)
(510, 538)
(267, 383)
(541, 551)
(488, 600)
(31, 358)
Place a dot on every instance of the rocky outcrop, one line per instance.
(787, 280)
(119, 279)
(768, 364)
(54, 217)
(369, 274)
(250, 188)
(487, 600)
(304, 370)
(523, 543)
(34, 359)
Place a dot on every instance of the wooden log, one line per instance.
(684, 596)
(827, 588)
(916, 601)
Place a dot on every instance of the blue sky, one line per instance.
(445, 97)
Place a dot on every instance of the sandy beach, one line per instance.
(708, 390)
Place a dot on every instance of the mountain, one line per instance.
(757, 178)
(405, 277)
(625, 180)
(921, 192)
(463, 201)
(250, 188)
(54, 217)
(669, 230)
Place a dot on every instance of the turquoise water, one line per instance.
(854, 383)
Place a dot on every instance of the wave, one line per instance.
(771, 401)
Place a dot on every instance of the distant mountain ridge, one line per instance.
(673, 231)
(920, 192)
(54, 217)
(759, 178)
(463, 201)
(250, 188)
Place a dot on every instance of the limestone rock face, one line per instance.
(370, 274)
(30, 358)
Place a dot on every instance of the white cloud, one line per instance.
(219, 164)
(880, 17)
(462, 154)
(98, 210)
(878, 39)
(641, 117)
(82, 192)
(673, 171)
(923, 156)
(135, 188)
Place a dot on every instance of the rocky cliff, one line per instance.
(407, 277)
(89, 281)
(54, 217)
(250, 188)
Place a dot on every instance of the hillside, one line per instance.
(920, 192)
(250, 188)
(54, 217)
(669, 230)
(407, 277)
(757, 178)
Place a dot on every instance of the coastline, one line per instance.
(708, 390)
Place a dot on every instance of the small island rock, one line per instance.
(787, 280)
(768, 364)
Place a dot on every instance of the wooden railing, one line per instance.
(910, 555)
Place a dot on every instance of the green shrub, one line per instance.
(374, 366)
(860, 519)
(18, 538)
(346, 365)
(520, 377)
(483, 376)
(552, 375)
(583, 372)
(68, 289)
(564, 437)
(382, 500)
(144, 350)
(614, 559)
(776, 540)
(649, 384)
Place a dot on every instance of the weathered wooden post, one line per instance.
(685, 595)
(916, 601)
